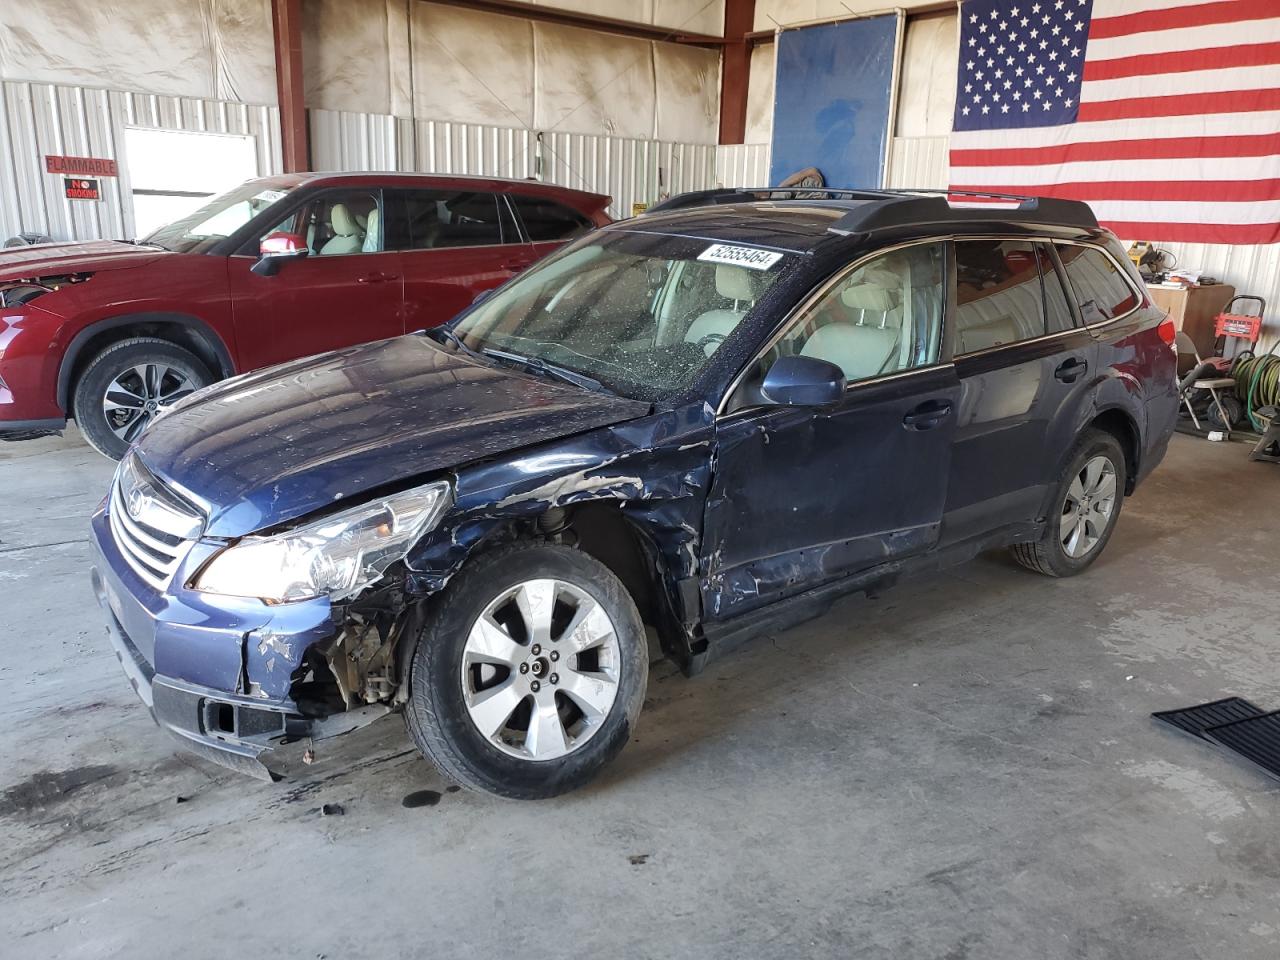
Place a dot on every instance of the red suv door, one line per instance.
(348, 289)
(455, 244)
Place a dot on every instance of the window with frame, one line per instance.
(441, 219)
(545, 219)
(1102, 292)
(1001, 290)
(881, 318)
(338, 222)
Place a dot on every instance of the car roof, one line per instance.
(799, 220)
(380, 177)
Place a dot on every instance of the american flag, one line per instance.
(1164, 115)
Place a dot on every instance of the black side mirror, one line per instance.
(803, 382)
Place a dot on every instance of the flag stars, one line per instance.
(1075, 51)
(1046, 105)
(1022, 48)
(968, 88)
(1004, 25)
(1018, 72)
(1062, 65)
(982, 28)
(1014, 12)
(1000, 50)
(1023, 22)
(1079, 25)
(965, 111)
(1026, 107)
(1008, 84)
(1058, 5)
(1035, 8)
(1056, 30)
(1068, 101)
(973, 18)
(1071, 77)
(1004, 108)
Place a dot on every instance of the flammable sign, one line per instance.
(77, 188)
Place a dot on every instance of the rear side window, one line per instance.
(1006, 291)
(440, 219)
(1102, 292)
(547, 220)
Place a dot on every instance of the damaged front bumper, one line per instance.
(218, 677)
(234, 731)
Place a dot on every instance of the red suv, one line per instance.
(108, 333)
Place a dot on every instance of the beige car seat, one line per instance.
(348, 237)
(732, 283)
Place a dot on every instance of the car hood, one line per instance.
(272, 446)
(53, 259)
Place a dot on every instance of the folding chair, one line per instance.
(1195, 379)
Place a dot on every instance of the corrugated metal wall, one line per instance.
(917, 162)
(37, 119)
(630, 171)
(743, 165)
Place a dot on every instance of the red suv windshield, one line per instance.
(217, 219)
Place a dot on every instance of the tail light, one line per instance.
(1168, 332)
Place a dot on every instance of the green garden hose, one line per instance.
(1258, 381)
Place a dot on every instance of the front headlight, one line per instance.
(339, 555)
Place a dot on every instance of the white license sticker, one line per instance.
(748, 257)
(271, 196)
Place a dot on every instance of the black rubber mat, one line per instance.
(1196, 720)
(1255, 738)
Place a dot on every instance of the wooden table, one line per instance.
(1192, 310)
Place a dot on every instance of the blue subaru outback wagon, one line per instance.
(698, 424)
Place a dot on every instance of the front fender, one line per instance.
(657, 469)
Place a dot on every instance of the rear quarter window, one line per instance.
(1101, 290)
(547, 220)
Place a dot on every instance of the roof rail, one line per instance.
(901, 207)
(702, 198)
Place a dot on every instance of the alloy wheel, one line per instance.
(540, 669)
(1088, 507)
(139, 394)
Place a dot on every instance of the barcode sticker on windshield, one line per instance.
(270, 196)
(748, 257)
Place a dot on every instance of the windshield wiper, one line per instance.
(448, 336)
(540, 366)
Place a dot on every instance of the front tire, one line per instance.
(1086, 507)
(126, 385)
(529, 676)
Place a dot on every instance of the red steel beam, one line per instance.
(739, 20)
(286, 22)
(588, 21)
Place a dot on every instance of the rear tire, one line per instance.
(1087, 505)
(523, 705)
(124, 386)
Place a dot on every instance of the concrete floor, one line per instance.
(963, 768)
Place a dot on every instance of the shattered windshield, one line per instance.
(217, 219)
(638, 313)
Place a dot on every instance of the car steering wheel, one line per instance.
(710, 338)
